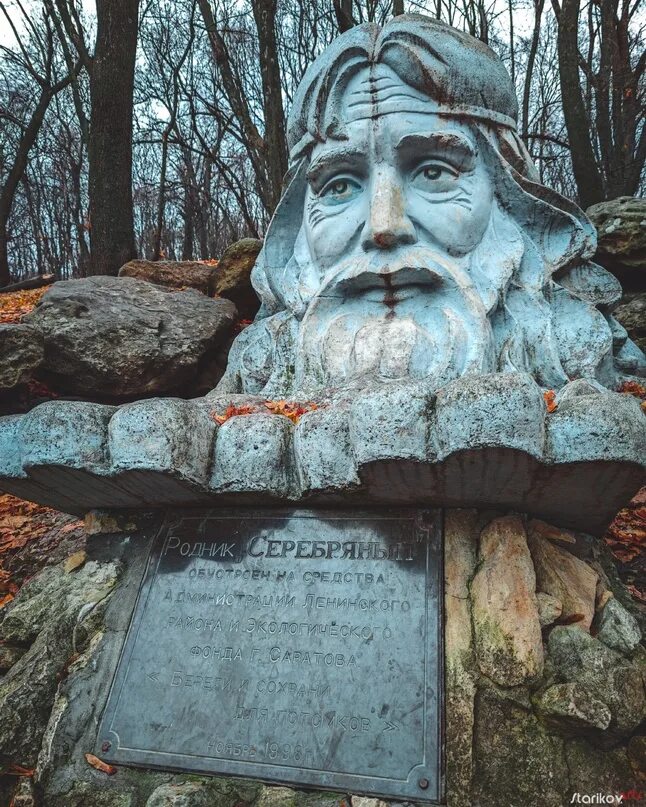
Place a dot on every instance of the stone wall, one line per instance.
(544, 676)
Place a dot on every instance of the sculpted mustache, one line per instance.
(414, 266)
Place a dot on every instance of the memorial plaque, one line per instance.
(298, 647)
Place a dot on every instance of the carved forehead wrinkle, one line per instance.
(378, 90)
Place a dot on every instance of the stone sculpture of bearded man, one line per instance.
(413, 240)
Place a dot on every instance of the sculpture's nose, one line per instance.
(388, 224)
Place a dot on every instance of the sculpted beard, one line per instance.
(412, 313)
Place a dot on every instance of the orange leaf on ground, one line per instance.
(550, 400)
(15, 304)
(95, 762)
(633, 388)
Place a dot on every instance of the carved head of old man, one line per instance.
(413, 240)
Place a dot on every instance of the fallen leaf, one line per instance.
(75, 560)
(15, 304)
(633, 388)
(95, 762)
(550, 400)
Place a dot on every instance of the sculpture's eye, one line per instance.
(340, 190)
(435, 177)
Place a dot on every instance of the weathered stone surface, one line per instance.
(171, 274)
(460, 542)
(286, 797)
(57, 613)
(593, 770)
(362, 801)
(232, 276)
(398, 444)
(22, 350)
(134, 338)
(251, 453)
(621, 238)
(566, 577)
(518, 762)
(9, 655)
(574, 707)
(605, 674)
(549, 608)
(24, 795)
(509, 647)
(551, 533)
(617, 628)
(631, 313)
(213, 792)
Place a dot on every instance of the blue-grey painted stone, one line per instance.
(505, 410)
(254, 454)
(323, 450)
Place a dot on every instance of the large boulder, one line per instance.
(621, 246)
(232, 276)
(631, 313)
(119, 337)
(21, 353)
(171, 274)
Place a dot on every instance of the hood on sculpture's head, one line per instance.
(413, 240)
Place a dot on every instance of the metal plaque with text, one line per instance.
(300, 647)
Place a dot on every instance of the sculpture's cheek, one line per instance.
(456, 221)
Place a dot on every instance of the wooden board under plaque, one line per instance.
(300, 647)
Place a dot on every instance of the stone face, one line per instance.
(509, 647)
(610, 770)
(605, 674)
(518, 762)
(549, 608)
(621, 238)
(22, 351)
(566, 577)
(249, 455)
(631, 314)
(56, 612)
(232, 276)
(207, 793)
(460, 543)
(355, 291)
(573, 706)
(120, 337)
(171, 274)
(617, 628)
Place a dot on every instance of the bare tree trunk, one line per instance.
(586, 172)
(161, 196)
(112, 237)
(264, 12)
(531, 60)
(343, 13)
(16, 172)
(512, 54)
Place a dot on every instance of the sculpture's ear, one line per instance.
(560, 230)
(267, 276)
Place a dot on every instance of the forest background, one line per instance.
(156, 128)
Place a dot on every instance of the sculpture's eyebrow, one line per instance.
(453, 147)
(336, 159)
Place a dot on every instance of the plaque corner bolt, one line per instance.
(106, 745)
(423, 784)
